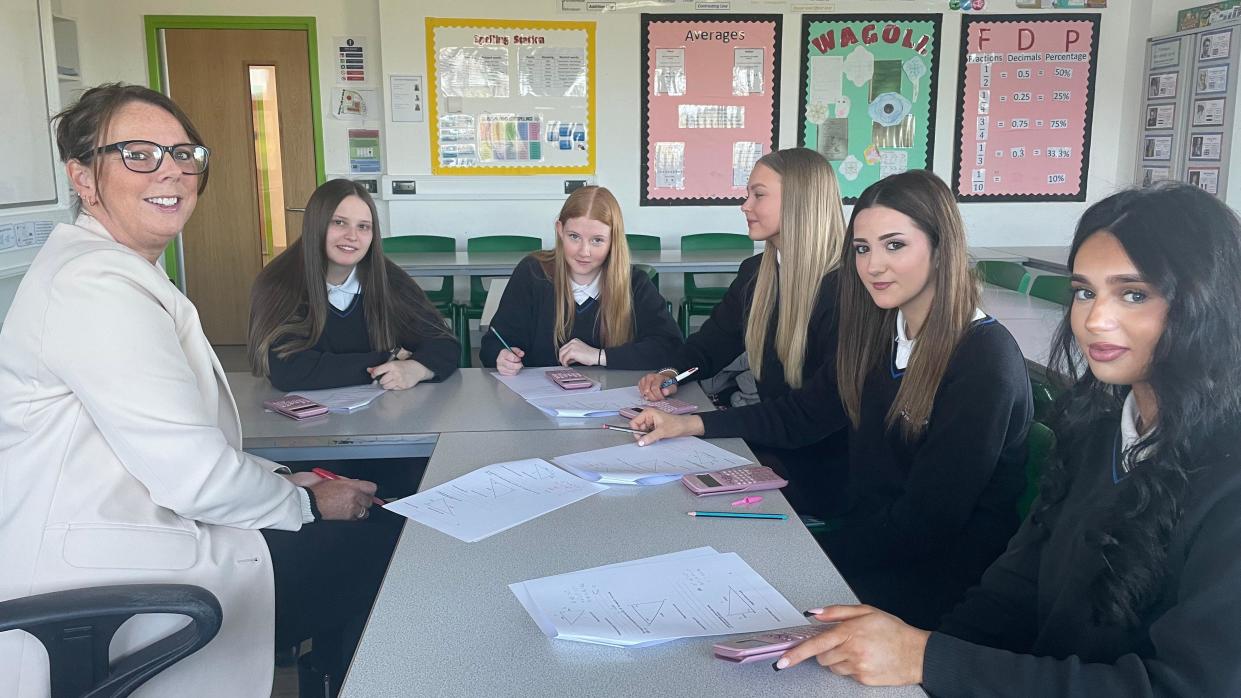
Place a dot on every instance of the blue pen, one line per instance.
(737, 515)
(677, 379)
(497, 334)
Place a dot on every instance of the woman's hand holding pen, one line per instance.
(400, 375)
(660, 425)
(648, 386)
(344, 499)
(872, 647)
(508, 362)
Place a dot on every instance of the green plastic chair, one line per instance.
(701, 300)
(1040, 442)
(645, 243)
(1051, 287)
(440, 297)
(473, 310)
(1004, 274)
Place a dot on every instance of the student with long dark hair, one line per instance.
(780, 312)
(1123, 580)
(939, 402)
(582, 302)
(332, 311)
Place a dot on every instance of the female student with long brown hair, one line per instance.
(939, 402)
(780, 312)
(1123, 580)
(332, 311)
(581, 303)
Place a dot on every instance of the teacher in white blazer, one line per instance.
(120, 444)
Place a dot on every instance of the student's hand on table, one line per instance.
(648, 386)
(872, 647)
(399, 375)
(508, 363)
(344, 499)
(660, 425)
(575, 351)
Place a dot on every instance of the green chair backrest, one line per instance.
(1044, 398)
(419, 243)
(1052, 287)
(496, 243)
(700, 242)
(1004, 274)
(642, 242)
(1039, 443)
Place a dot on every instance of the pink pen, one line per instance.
(747, 500)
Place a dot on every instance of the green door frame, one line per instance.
(155, 74)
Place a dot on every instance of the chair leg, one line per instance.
(461, 324)
(683, 318)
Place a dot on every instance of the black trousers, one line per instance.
(327, 573)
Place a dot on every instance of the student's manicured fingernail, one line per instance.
(812, 612)
(641, 443)
(780, 663)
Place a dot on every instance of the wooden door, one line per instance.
(209, 76)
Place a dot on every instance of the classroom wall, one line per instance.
(112, 47)
(1163, 14)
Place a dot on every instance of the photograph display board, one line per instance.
(710, 105)
(866, 98)
(1025, 100)
(511, 97)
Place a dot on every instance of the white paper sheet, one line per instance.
(602, 403)
(642, 604)
(533, 383)
(667, 460)
(494, 498)
(346, 399)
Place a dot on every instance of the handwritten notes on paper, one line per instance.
(631, 464)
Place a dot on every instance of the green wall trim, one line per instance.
(155, 74)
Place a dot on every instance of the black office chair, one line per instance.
(76, 626)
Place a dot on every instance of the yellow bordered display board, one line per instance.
(511, 97)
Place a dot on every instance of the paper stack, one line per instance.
(664, 461)
(692, 593)
(533, 384)
(346, 399)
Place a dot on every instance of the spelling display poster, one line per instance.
(709, 105)
(1026, 97)
(867, 94)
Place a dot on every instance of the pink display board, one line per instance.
(1025, 101)
(709, 103)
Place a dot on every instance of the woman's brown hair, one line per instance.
(867, 332)
(288, 304)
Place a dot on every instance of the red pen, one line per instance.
(329, 475)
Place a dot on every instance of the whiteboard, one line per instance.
(26, 170)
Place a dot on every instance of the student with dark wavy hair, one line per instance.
(1123, 581)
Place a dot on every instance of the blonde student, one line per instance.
(581, 303)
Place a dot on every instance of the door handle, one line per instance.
(295, 210)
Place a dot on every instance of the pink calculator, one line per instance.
(748, 478)
(669, 405)
(768, 646)
(296, 407)
(569, 379)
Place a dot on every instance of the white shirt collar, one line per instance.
(342, 295)
(1129, 434)
(905, 345)
(778, 259)
(583, 291)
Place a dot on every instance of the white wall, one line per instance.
(1163, 14)
(112, 47)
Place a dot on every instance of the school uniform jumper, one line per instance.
(1027, 629)
(526, 319)
(926, 519)
(801, 432)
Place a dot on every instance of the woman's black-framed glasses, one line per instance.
(145, 156)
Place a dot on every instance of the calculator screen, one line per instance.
(709, 481)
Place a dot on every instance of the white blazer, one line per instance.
(121, 462)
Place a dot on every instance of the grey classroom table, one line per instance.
(1032, 321)
(445, 623)
(406, 423)
(1051, 258)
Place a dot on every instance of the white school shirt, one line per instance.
(583, 291)
(341, 296)
(905, 345)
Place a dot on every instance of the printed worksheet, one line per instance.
(603, 403)
(533, 383)
(667, 460)
(494, 498)
(346, 399)
(637, 605)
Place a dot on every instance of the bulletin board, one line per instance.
(511, 97)
(1026, 99)
(710, 105)
(867, 94)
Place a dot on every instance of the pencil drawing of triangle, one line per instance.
(440, 506)
(566, 613)
(648, 611)
(738, 604)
